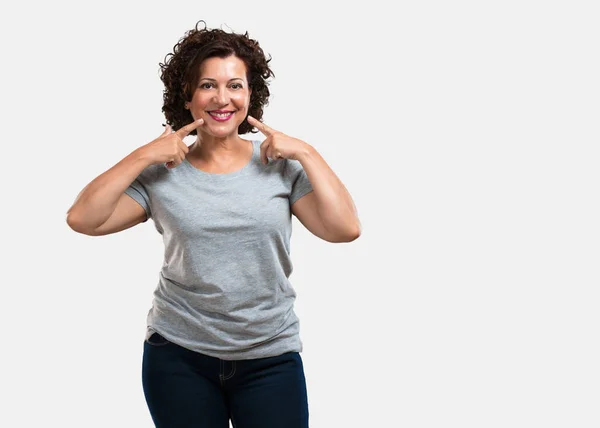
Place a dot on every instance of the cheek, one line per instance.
(199, 101)
(241, 100)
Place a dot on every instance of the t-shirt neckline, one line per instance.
(217, 176)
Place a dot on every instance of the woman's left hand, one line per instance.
(277, 145)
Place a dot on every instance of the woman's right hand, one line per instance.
(169, 148)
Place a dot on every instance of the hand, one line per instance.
(277, 145)
(169, 146)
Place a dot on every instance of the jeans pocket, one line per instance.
(157, 340)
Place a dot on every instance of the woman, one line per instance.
(223, 339)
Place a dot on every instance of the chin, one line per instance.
(224, 131)
(219, 134)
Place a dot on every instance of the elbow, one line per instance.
(356, 232)
(77, 226)
(353, 235)
(72, 223)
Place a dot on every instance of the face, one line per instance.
(222, 96)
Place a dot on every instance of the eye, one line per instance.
(237, 86)
(206, 85)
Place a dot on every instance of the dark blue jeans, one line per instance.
(187, 389)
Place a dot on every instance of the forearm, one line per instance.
(97, 201)
(335, 206)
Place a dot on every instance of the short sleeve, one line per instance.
(299, 180)
(139, 189)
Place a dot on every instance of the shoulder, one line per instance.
(292, 166)
(152, 173)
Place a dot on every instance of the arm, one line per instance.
(102, 206)
(328, 211)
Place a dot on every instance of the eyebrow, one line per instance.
(214, 80)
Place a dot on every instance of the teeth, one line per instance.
(221, 115)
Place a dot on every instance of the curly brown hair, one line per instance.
(180, 72)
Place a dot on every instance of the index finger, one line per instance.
(185, 130)
(268, 131)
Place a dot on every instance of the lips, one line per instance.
(221, 115)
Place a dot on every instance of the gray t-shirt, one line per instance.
(223, 289)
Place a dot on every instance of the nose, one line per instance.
(220, 97)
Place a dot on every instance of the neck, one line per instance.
(210, 147)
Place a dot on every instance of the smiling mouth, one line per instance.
(220, 114)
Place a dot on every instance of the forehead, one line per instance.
(226, 68)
